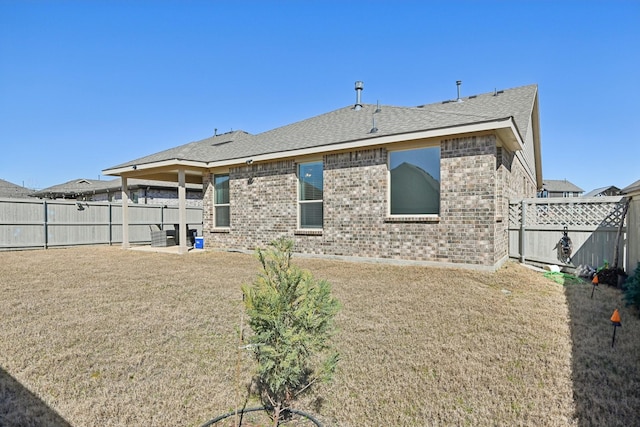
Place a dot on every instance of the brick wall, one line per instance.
(355, 203)
(468, 199)
(477, 180)
(263, 206)
(512, 183)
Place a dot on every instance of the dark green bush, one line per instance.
(632, 291)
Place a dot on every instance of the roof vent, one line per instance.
(458, 83)
(374, 129)
(359, 87)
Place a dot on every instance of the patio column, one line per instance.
(125, 213)
(182, 212)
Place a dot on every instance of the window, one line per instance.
(221, 200)
(310, 194)
(415, 181)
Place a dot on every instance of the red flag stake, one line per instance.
(595, 283)
(615, 319)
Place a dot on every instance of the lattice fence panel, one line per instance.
(601, 212)
(515, 215)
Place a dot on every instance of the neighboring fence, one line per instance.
(34, 223)
(536, 226)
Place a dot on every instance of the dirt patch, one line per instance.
(103, 336)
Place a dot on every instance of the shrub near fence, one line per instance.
(35, 223)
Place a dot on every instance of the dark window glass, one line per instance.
(415, 181)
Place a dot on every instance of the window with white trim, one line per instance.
(310, 191)
(221, 201)
(414, 182)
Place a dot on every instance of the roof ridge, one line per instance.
(344, 124)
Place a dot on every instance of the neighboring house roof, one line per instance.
(509, 112)
(560, 186)
(77, 187)
(632, 188)
(11, 190)
(599, 191)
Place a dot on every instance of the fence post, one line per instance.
(110, 224)
(45, 224)
(523, 217)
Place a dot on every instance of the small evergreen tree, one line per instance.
(632, 291)
(291, 316)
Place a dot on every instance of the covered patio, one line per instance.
(180, 171)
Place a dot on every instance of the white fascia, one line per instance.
(134, 168)
(506, 128)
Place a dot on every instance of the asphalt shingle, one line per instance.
(81, 186)
(347, 124)
(561, 185)
(11, 190)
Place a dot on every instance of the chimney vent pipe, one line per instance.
(359, 87)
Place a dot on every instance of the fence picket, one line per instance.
(536, 225)
(35, 223)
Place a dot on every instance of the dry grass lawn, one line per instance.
(98, 336)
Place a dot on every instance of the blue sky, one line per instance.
(85, 85)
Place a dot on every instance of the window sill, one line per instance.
(308, 232)
(422, 219)
(220, 230)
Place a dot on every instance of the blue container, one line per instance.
(199, 243)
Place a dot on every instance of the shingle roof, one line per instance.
(75, 186)
(347, 124)
(632, 188)
(87, 186)
(11, 190)
(596, 191)
(561, 185)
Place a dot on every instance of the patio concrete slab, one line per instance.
(165, 250)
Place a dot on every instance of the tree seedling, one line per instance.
(291, 316)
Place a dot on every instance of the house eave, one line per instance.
(142, 170)
(505, 128)
(535, 116)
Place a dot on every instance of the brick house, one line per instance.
(429, 184)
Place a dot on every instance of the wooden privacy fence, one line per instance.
(34, 223)
(593, 224)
